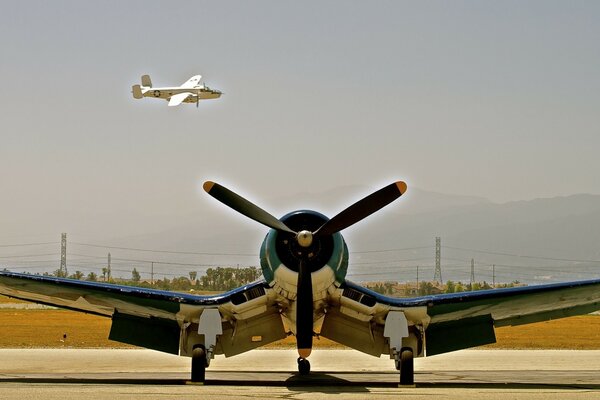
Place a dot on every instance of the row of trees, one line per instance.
(456, 287)
(76, 275)
(216, 279)
(227, 278)
(427, 288)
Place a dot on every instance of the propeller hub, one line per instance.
(304, 238)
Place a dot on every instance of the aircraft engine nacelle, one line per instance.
(280, 256)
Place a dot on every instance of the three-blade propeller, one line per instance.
(351, 215)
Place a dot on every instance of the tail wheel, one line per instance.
(303, 366)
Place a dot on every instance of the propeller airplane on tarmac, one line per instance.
(192, 91)
(303, 292)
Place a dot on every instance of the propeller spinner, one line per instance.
(305, 240)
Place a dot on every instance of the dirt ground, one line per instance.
(20, 328)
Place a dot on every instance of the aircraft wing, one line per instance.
(192, 82)
(461, 320)
(154, 318)
(178, 98)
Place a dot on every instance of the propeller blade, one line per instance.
(363, 208)
(304, 311)
(243, 206)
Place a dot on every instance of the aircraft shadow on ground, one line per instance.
(324, 383)
(315, 382)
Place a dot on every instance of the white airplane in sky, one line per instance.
(192, 91)
(304, 292)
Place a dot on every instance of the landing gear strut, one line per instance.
(209, 325)
(199, 364)
(303, 366)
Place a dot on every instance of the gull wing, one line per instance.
(459, 320)
(192, 82)
(154, 318)
(179, 98)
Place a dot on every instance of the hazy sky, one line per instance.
(492, 99)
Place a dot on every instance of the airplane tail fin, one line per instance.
(146, 81)
(137, 92)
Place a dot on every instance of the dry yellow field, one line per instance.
(45, 328)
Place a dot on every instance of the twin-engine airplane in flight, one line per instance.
(304, 292)
(192, 91)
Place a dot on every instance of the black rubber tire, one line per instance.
(199, 364)
(303, 366)
(407, 367)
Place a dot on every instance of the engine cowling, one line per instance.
(280, 254)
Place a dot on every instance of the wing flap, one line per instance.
(456, 335)
(151, 333)
(251, 333)
(354, 333)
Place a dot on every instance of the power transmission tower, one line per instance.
(63, 255)
(152, 273)
(417, 278)
(108, 268)
(472, 272)
(437, 276)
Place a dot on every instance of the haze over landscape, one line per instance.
(489, 112)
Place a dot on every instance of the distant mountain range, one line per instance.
(532, 241)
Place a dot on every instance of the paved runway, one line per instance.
(123, 374)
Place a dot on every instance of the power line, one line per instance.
(148, 261)
(389, 261)
(390, 250)
(27, 244)
(163, 251)
(229, 254)
(29, 255)
(164, 262)
(519, 255)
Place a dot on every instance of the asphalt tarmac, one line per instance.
(271, 374)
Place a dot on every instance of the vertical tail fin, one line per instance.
(146, 81)
(137, 92)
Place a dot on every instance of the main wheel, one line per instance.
(199, 364)
(303, 366)
(407, 369)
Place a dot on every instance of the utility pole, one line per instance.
(152, 273)
(494, 275)
(437, 276)
(417, 279)
(472, 272)
(108, 268)
(63, 255)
